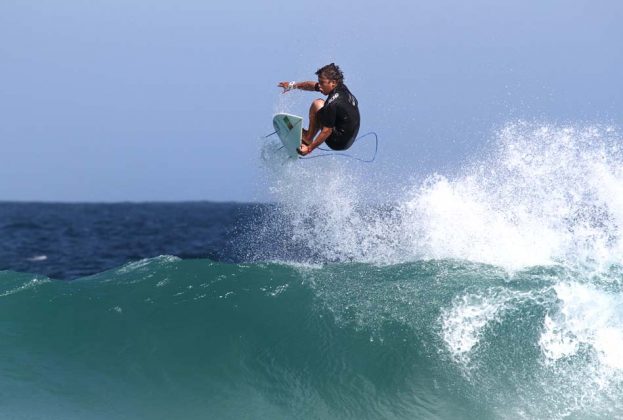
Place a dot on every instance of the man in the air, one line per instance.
(336, 119)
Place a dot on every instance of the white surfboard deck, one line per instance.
(289, 129)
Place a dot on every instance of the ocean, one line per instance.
(492, 292)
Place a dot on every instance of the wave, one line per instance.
(167, 337)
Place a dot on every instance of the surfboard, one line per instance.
(289, 129)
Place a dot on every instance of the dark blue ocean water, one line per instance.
(67, 241)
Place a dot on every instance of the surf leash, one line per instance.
(330, 152)
(346, 155)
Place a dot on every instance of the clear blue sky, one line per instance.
(153, 100)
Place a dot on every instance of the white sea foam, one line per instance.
(458, 220)
(542, 195)
(464, 321)
(586, 318)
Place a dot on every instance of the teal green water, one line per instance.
(171, 338)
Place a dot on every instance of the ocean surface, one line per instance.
(493, 292)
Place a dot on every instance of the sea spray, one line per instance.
(542, 194)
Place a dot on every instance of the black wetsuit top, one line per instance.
(341, 113)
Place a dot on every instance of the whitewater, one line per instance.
(492, 292)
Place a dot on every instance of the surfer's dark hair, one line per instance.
(331, 72)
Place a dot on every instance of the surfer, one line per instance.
(336, 119)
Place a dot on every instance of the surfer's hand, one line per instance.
(286, 86)
(304, 150)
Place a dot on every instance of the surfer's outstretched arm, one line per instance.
(308, 85)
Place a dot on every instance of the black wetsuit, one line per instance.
(341, 113)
